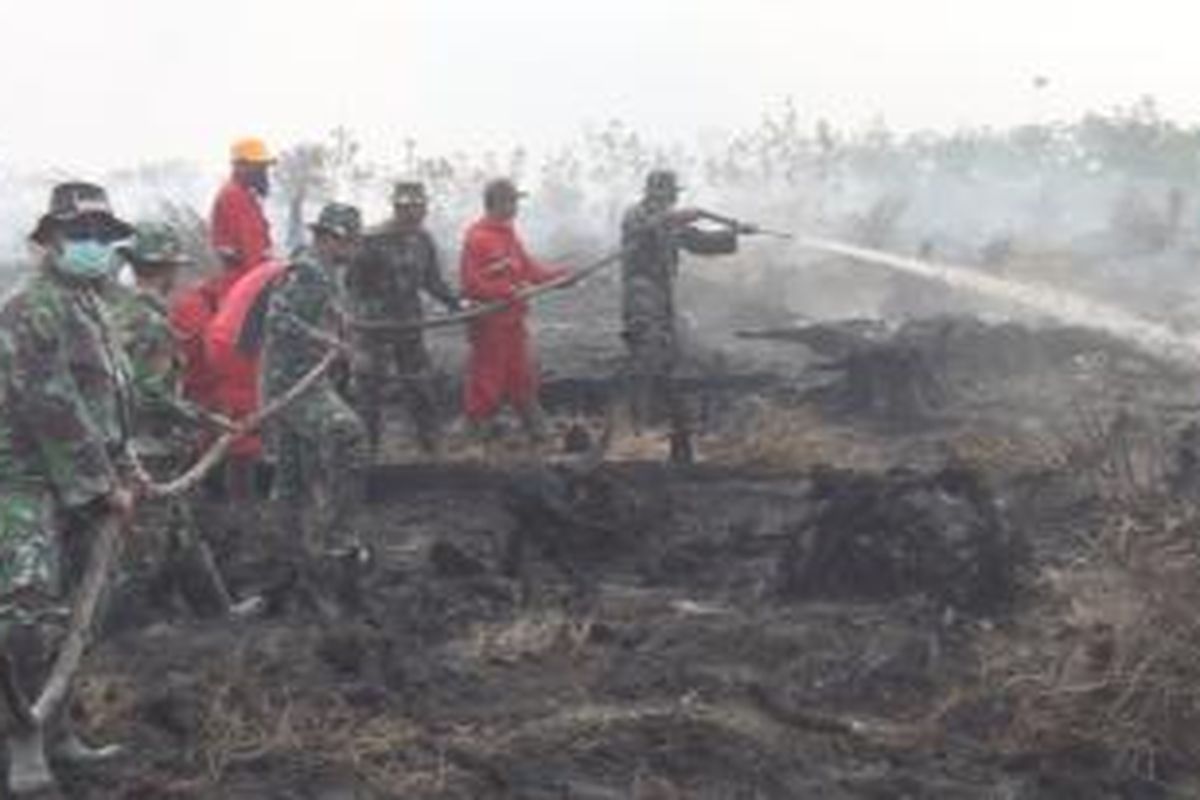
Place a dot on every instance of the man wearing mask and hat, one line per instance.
(165, 421)
(495, 266)
(239, 230)
(317, 441)
(65, 407)
(653, 232)
(399, 260)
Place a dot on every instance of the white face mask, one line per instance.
(88, 259)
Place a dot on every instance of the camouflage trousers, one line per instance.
(652, 358)
(319, 453)
(172, 557)
(44, 552)
(407, 356)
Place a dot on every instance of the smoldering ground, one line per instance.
(954, 574)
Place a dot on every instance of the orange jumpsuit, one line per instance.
(239, 230)
(500, 366)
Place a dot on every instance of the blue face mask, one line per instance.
(87, 259)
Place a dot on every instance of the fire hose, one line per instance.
(106, 549)
(485, 309)
(1065, 306)
(531, 292)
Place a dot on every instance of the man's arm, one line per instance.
(156, 382)
(432, 279)
(156, 375)
(534, 271)
(703, 242)
(223, 228)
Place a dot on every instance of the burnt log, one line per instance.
(887, 535)
(577, 519)
(879, 376)
(890, 383)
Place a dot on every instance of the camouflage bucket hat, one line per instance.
(81, 203)
(339, 219)
(409, 193)
(156, 245)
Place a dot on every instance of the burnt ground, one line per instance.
(797, 616)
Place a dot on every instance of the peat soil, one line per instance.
(731, 630)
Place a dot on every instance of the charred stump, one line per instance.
(879, 375)
(899, 533)
(891, 383)
(577, 520)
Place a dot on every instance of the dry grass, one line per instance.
(248, 724)
(1009, 452)
(531, 635)
(249, 715)
(252, 722)
(1110, 663)
(794, 439)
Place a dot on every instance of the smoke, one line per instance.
(1092, 208)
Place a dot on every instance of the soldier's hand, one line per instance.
(121, 503)
(216, 422)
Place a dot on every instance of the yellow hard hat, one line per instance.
(251, 151)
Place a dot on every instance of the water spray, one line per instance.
(1064, 306)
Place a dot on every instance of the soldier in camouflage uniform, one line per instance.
(398, 261)
(317, 442)
(165, 421)
(653, 232)
(65, 410)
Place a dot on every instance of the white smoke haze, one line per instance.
(980, 134)
(1100, 206)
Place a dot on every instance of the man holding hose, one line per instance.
(65, 406)
(653, 233)
(496, 267)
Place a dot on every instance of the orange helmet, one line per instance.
(251, 150)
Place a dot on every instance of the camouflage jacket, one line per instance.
(307, 299)
(143, 329)
(651, 261)
(67, 411)
(394, 267)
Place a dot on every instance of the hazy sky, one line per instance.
(90, 85)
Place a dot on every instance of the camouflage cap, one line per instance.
(409, 193)
(339, 219)
(662, 182)
(155, 244)
(500, 188)
(84, 203)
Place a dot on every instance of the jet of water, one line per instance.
(1065, 306)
